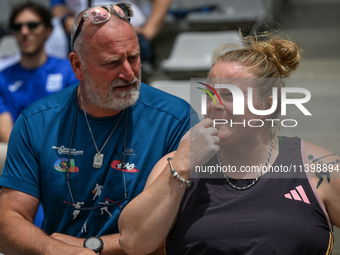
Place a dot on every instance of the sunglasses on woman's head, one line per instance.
(102, 13)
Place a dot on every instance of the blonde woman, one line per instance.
(239, 213)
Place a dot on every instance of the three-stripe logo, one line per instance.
(298, 194)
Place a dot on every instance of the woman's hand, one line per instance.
(198, 145)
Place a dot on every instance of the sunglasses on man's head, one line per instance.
(102, 13)
(31, 25)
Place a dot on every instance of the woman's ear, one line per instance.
(269, 102)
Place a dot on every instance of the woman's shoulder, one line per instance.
(323, 167)
(315, 154)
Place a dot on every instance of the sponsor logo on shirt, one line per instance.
(63, 150)
(129, 151)
(127, 167)
(15, 86)
(61, 165)
(298, 194)
(54, 82)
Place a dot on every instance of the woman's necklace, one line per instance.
(98, 157)
(255, 180)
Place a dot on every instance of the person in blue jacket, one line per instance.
(36, 75)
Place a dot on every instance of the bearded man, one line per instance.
(101, 136)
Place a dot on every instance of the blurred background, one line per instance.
(193, 28)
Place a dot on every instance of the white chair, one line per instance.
(192, 51)
(184, 89)
(8, 61)
(8, 46)
(190, 5)
(177, 88)
(233, 11)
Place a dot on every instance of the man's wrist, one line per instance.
(94, 243)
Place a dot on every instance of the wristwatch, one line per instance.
(94, 243)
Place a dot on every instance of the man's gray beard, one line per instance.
(116, 102)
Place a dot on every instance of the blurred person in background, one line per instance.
(146, 26)
(36, 75)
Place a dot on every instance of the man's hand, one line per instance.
(74, 241)
(84, 251)
(71, 240)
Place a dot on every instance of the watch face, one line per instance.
(93, 243)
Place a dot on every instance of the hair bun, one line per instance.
(283, 53)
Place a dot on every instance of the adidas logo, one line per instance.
(298, 194)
